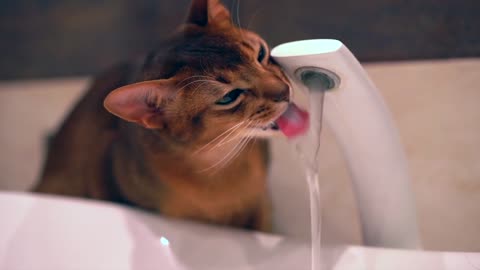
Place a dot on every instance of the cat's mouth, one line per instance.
(292, 122)
(271, 126)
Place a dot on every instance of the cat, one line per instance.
(181, 132)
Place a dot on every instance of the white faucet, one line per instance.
(364, 129)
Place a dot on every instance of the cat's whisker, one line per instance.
(250, 137)
(229, 153)
(231, 8)
(236, 136)
(229, 131)
(179, 84)
(227, 157)
(237, 150)
(255, 138)
(253, 17)
(224, 142)
(223, 158)
(221, 87)
(192, 77)
(247, 140)
(196, 81)
(204, 69)
(238, 14)
(223, 136)
(232, 133)
(196, 76)
(203, 83)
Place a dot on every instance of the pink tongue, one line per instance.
(293, 122)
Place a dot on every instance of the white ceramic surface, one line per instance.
(363, 126)
(46, 233)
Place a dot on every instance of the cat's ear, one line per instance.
(209, 12)
(140, 102)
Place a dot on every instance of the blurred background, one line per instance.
(423, 55)
(49, 38)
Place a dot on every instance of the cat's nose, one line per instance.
(273, 88)
(281, 94)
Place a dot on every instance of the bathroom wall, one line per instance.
(47, 38)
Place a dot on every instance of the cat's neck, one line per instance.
(144, 174)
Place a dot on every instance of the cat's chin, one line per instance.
(270, 129)
(265, 133)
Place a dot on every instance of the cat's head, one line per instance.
(210, 78)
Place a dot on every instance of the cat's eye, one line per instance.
(230, 97)
(261, 54)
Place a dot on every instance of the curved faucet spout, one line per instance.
(364, 129)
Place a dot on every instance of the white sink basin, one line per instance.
(46, 232)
